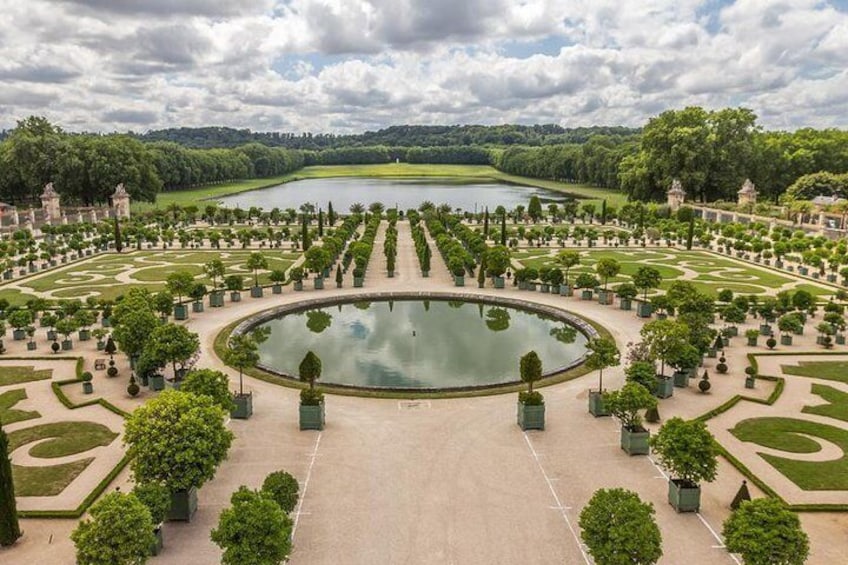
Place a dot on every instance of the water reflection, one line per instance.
(415, 344)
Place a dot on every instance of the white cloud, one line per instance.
(348, 65)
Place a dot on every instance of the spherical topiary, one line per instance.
(112, 371)
(771, 342)
(750, 371)
(704, 384)
(133, 388)
(55, 347)
(87, 377)
(722, 366)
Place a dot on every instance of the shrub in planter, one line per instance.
(614, 515)
(625, 404)
(157, 499)
(587, 283)
(531, 404)
(752, 336)
(687, 450)
(643, 373)
(119, 529)
(626, 293)
(254, 529)
(311, 400)
(211, 383)
(750, 378)
(603, 353)
(87, 387)
(765, 531)
(606, 268)
(234, 284)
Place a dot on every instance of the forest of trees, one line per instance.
(711, 152)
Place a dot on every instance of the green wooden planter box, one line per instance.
(644, 310)
(180, 312)
(197, 306)
(85, 335)
(554, 289)
(665, 387)
(786, 340)
(586, 295)
(32, 346)
(256, 292)
(545, 288)
(312, 416)
(499, 282)
(235, 296)
(20, 335)
(298, 285)
(87, 388)
(531, 417)
(357, 282)
(425, 274)
(732, 331)
(531, 286)
(318, 283)
(158, 543)
(157, 382)
(684, 498)
(605, 297)
(752, 342)
(67, 345)
(840, 339)
(681, 379)
(750, 382)
(243, 406)
(566, 290)
(765, 329)
(277, 289)
(183, 505)
(459, 280)
(216, 299)
(625, 304)
(635, 442)
(522, 285)
(662, 316)
(391, 274)
(596, 404)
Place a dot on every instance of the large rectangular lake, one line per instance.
(403, 193)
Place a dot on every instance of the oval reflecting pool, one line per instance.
(419, 344)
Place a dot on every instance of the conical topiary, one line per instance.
(10, 530)
(741, 496)
(722, 365)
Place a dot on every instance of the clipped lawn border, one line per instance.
(778, 390)
(220, 346)
(107, 480)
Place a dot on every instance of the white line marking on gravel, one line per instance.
(297, 514)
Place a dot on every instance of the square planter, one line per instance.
(786, 340)
(256, 292)
(31, 346)
(87, 387)
(84, 335)
(312, 416)
(498, 282)
(531, 417)
(803, 271)
(19, 335)
(183, 505)
(277, 289)
(605, 297)
(235, 296)
(158, 543)
(732, 331)
(67, 345)
(750, 381)
(586, 295)
(216, 299)
(357, 282)
(625, 304)
(318, 283)
(644, 310)
(425, 274)
(180, 312)
(752, 342)
(840, 339)
(683, 497)
(635, 442)
(459, 280)
(157, 382)
(554, 289)
(765, 329)
(106, 322)
(831, 278)
(681, 379)
(596, 404)
(243, 406)
(566, 290)
(522, 285)
(545, 288)
(298, 285)
(197, 306)
(665, 387)
(531, 286)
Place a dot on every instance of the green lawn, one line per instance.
(62, 438)
(18, 375)
(9, 415)
(790, 435)
(825, 370)
(388, 170)
(837, 406)
(46, 481)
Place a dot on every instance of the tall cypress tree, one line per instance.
(320, 223)
(304, 234)
(10, 530)
(604, 212)
(503, 229)
(486, 223)
(331, 215)
(691, 234)
(119, 245)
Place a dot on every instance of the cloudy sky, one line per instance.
(352, 65)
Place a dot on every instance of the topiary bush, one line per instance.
(722, 365)
(283, 488)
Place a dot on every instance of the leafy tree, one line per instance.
(243, 351)
(497, 260)
(606, 269)
(626, 403)
(534, 209)
(316, 260)
(215, 270)
(171, 343)
(282, 488)
(664, 338)
(10, 530)
(765, 532)
(568, 259)
(687, 450)
(643, 373)
(156, 497)
(603, 353)
(180, 283)
(211, 383)
(619, 529)
(177, 439)
(253, 531)
(119, 532)
(256, 262)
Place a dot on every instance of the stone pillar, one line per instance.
(50, 204)
(80, 218)
(31, 217)
(747, 196)
(93, 216)
(121, 202)
(15, 218)
(64, 219)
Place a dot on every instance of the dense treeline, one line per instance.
(86, 168)
(395, 136)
